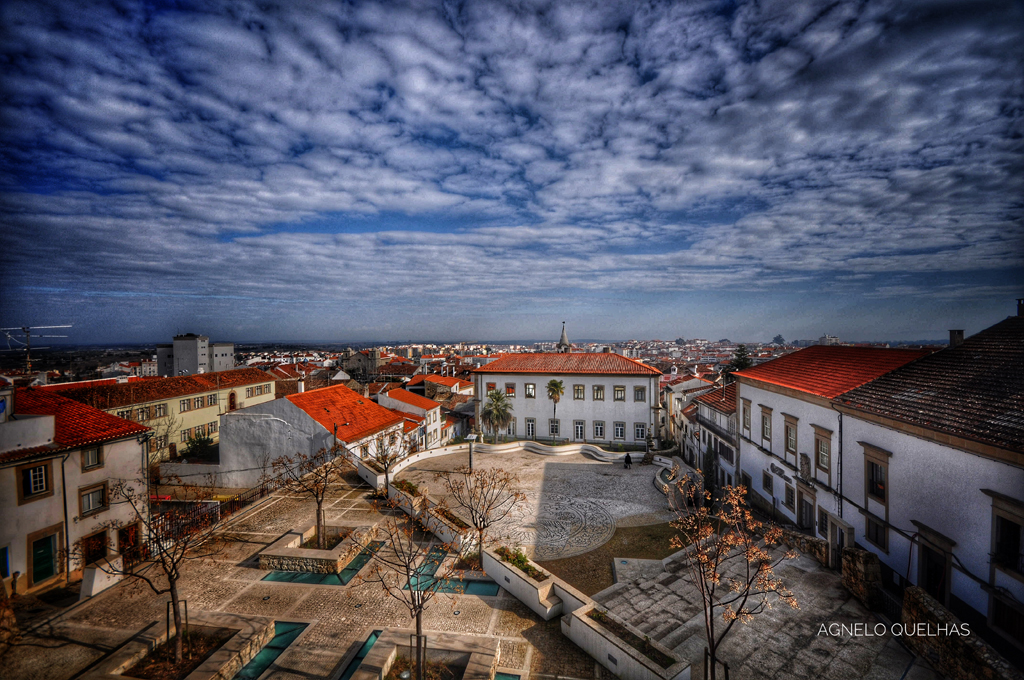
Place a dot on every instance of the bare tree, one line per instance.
(487, 495)
(389, 448)
(165, 542)
(731, 560)
(401, 569)
(312, 476)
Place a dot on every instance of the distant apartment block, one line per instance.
(191, 354)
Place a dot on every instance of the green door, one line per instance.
(43, 553)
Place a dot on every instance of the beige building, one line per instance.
(179, 408)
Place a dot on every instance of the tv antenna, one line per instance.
(27, 333)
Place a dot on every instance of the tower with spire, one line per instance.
(563, 343)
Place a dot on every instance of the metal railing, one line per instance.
(891, 605)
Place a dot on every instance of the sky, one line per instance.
(331, 172)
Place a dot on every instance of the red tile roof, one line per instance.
(604, 363)
(448, 381)
(407, 397)
(827, 370)
(75, 424)
(355, 415)
(114, 396)
(60, 387)
(416, 380)
(722, 399)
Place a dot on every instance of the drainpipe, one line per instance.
(67, 527)
(839, 470)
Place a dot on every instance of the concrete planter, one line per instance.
(286, 555)
(100, 575)
(414, 506)
(444, 529)
(618, 656)
(539, 596)
(368, 474)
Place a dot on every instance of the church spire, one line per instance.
(563, 342)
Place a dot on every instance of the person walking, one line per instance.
(628, 462)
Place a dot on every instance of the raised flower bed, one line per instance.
(620, 648)
(536, 591)
(288, 553)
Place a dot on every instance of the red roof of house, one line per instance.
(407, 397)
(75, 424)
(603, 363)
(143, 391)
(60, 387)
(722, 399)
(416, 380)
(355, 415)
(448, 381)
(830, 370)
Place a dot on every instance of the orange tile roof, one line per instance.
(75, 424)
(603, 363)
(60, 387)
(407, 397)
(416, 380)
(448, 381)
(355, 415)
(721, 399)
(125, 394)
(829, 370)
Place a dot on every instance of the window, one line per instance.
(553, 427)
(1008, 552)
(876, 481)
(619, 429)
(142, 413)
(766, 424)
(94, 547)
(790, 428)
(364, 450)
(92, 500)
(531, 390)
(620, 393)
(510, 389)
(160, 410)
(126, 414)
(767, 482)
(491, 387)
(211, 400)
(185, 435)
(511, 429)
(822, 522)
(35, 482)
(197, 402)
(91, 458)
(639, 394)
(184, 405)
(598, 429)
(160, 442)
(248, 392)
(579, 429)
(531, 428)
(639, 431)
(790, 501)
(577, 392)
(725, 453)
(823, 451)
(211, 427)
(746, 414)
(200, 431)
(876, 532)
(598, 392)
(1006, 618)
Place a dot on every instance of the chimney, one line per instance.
(956, 338)
(302, 386)
(1020, 306)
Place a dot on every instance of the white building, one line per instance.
(607, 398)
(428, 409)
(58, 462)
(252, 438)
(933, 476)
(789, 446)
(716, 418)
(190, 354)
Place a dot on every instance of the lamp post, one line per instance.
(471, 438)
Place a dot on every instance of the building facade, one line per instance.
(190, 354)
(429, 435)
(607, 398)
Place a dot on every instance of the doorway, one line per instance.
(232, 402)
(44, 558)
(933, 573)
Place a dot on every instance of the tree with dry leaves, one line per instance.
(487, 495)
(166, 541)
(401, 569)
(731, 560)
(312, 475)
(389, 447)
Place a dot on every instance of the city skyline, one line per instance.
(380, 171)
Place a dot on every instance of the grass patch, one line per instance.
(521, 562)
(333, 539)
(592, 572)
(642, 645)
(199, 644)
(406, 486)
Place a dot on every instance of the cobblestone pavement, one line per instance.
(574, 503)
(340, 618)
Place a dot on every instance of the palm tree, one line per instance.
(555, 391)
(497, 412)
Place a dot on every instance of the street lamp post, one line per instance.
(471, 438)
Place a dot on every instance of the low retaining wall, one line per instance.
(960, 657)
(538, 596)
(815, 547)
(862, 576)
(619, 657)
(440, 526)
(286, 555)
(100, 575)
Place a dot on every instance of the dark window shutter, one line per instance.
(26, 482)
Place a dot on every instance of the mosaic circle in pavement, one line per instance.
(558, 526)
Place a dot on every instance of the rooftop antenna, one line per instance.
(27, 333)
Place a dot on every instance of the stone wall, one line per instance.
(815, 547)
(960, 657)
(862, 576)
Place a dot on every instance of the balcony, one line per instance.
(726, 434)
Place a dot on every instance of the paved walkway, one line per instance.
(574, 503)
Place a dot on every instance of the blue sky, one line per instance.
(356, 171)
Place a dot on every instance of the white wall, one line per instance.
(569, 409)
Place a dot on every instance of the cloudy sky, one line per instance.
(356, 171)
